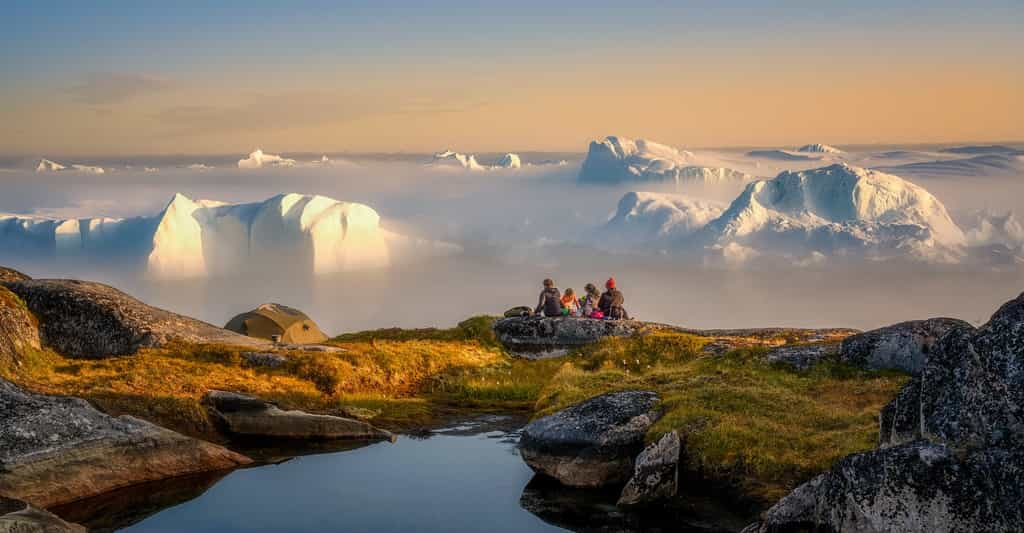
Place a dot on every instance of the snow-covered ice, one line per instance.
(620, 159)
(259, 159)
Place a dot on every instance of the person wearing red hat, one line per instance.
(611, 302)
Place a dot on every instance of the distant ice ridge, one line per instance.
(199, 238)
(45, 165)
(259, 159)
(620, 159)
(818, 148)
(990, 164)
(510, 160)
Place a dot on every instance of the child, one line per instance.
(589, 303)
(570, 303)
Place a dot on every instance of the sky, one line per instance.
(120, 78)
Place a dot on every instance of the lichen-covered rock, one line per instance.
(920, 487)
(903, 346)
(86, 319)
(593, 443)
(539, 337)
(19, 517)
(264, 359)
(19, 330)
(656, 473)
(56, 449)
(9, 275)
(248, 416)
(803, 356)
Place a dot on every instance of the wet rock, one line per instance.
(19, 330)
(19, 517)
(9, 275)
(903, 346)
(656, 473)
(803, 356)
(920, 487)
(56, 449)
(591, 444)
(92, 320)
(540, 337)
(264, 359)
(248, 416)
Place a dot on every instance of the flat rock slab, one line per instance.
(92, 320)
(19, 517)
(591, 444)
(248, 416)
(56, 449)
(542, 337)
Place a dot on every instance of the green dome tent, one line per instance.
(268, 320)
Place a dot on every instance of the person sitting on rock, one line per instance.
(550, 303)
(611, 302)
(570, 303)
(589, 302)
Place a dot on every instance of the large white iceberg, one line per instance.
(620, 159)
(646, 218)
(199, 238)
(46, 165)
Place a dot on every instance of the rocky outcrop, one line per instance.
(9, 275)
(538, 337)
(87, 319)
(803, 356)
(19, 330)
(57, 449)
(248, 416)
(904, 346)
(19, 517)
(656, 473)
(591, 444)
(951, 446)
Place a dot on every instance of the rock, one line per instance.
(56, 449)
(19, 517)
(92, 320)
(903, 346)
(522, 312)
(9, 275)
(803, 356)
(247, 416)
(921, 487)
(360, 413)
(656, 473)
(19, 330)
(951, 446)
(264, 359)
(539, 337)
(591, 444)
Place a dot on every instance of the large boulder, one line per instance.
(87, 319)
(19, 517)
(56, 449)
(656, 473)
(951, 446)
(921, 487)
(539, 337)
(904, 346)
(248, 416)
(591, 444)
(19, 330)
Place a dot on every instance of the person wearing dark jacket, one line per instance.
(611, 302)
(550, 303)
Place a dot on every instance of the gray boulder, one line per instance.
(656, 473)
(951, 446)
(591, 444)
(19, 517)
(539, 337)
(92, 320)
(904, 346)
(920, 487)
(56, 449)
(803, 356)
(19, 330)
(248, 416)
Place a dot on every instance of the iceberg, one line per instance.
(818, 148)
(621, 160)
(259, 159)
(451, 158)
(510, 160)
(46, 165)
(645, 218)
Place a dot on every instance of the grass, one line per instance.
(751, 427)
